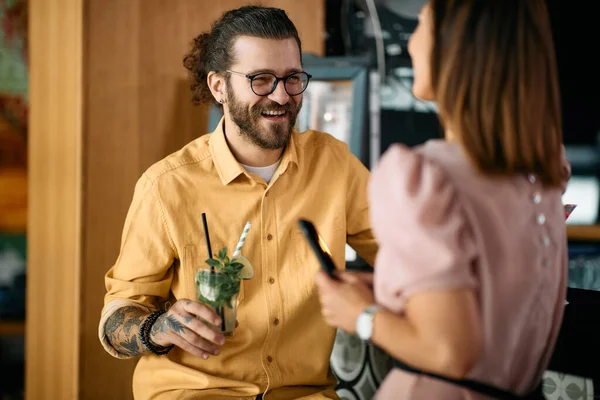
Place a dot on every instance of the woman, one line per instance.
(470, 279)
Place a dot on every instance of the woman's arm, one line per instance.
(440, 332)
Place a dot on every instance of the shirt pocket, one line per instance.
(299, 246)
(192, 261)
(303, 268)
(304, 255)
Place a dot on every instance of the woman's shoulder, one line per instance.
(434, 160)
(414, 179)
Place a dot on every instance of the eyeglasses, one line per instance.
(264, 83)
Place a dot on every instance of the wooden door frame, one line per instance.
(55, 199)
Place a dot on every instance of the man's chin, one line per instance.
(274, 127)
(280, 143)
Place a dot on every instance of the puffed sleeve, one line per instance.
(426, 243)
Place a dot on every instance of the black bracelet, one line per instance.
(145, 334)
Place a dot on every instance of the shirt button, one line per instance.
(270, 359)
(276, 322)
(546, 240)
(271, 281)
(269, 236)
(541, 219)
(537, 198)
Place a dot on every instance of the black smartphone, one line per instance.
(319, 247)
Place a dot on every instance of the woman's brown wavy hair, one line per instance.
(494, 75)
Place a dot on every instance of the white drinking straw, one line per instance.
(238, 248)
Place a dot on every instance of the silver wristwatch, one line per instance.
(364, 323)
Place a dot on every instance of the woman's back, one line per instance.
(472, 259)
(515, 231)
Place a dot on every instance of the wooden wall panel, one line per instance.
(54, 224)
(137, 110)
(112, 163)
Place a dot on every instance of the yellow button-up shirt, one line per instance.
(282, 345)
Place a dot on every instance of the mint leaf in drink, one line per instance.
(233, 268)
(223, 254)
(217, 288)
(211, 303)
(213, 263)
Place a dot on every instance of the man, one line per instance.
(253, 167)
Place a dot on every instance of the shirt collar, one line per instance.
(290, 154)
(226, 164)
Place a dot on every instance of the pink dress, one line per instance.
(442, 225)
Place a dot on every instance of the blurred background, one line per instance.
(92, 92)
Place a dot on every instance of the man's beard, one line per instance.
(248, 120)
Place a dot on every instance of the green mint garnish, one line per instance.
(218, 288)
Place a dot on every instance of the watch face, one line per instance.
(364, 326)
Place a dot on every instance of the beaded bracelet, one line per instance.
(145, 334)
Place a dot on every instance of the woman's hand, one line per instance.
(364, 276)
(343, 301)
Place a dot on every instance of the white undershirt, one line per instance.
(264, 172)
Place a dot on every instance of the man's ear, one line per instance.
(216, 84)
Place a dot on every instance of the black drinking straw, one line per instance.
(207, 237)
(212, 269)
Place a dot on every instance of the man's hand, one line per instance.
(190, 325)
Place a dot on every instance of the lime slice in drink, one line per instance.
(248, 271)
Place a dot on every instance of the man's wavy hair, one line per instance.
(213, 51)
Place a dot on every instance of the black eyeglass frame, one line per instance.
(277, 80)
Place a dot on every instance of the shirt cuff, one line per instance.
(108, 311)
